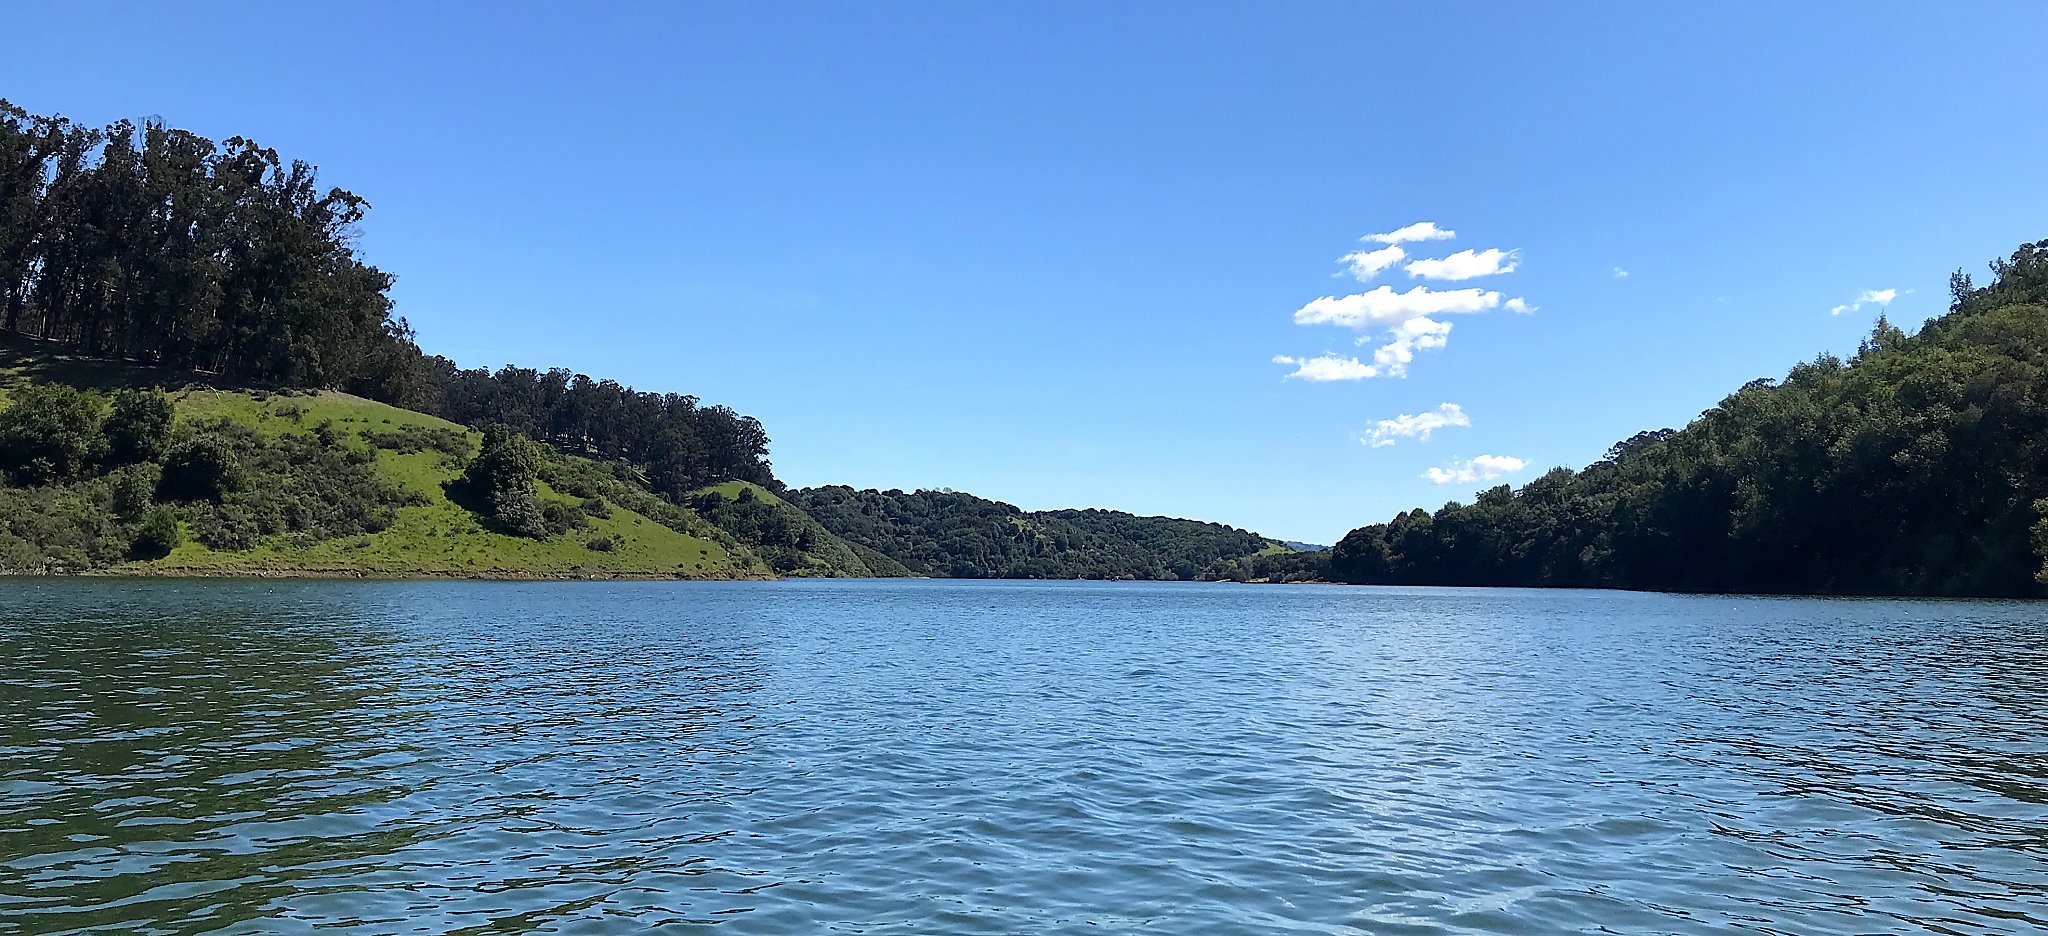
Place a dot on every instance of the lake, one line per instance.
(1006, 757)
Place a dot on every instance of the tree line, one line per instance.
(956, 535)
(1918, 466)
(161, 246)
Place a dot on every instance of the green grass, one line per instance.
(438, 537)
(1275, 549)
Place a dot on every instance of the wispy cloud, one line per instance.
(1384, 306)
(1483, 468)
(1416, 426)
(1327, 367)
(1868, 297)
(1366, 264)
(1419, 231)
(1620, 273)
(1402, 322)
(1466, 264)
(1403, 340)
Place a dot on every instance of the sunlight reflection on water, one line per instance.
(975, 757)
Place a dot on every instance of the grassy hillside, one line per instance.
(400, 462)
(438, 536)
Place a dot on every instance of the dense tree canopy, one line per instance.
(162, 246)
(949, 534)
(680, 445)
(1918, 466)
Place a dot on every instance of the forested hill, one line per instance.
(164, 248)
(1916, 467)
(949, 534)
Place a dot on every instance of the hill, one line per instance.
(956, 535)
(244, 481)
(1919, 466)
(785, 537)
(308, 433)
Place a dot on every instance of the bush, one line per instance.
(596, 507)
(200, 468)
(561, 517)
(51, 433)
(228, 527)
(139, 426)
(602, 544)
(503, 479)
(134, 489)
(410, 439)
(158, 536)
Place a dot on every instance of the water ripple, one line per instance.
(920, 757)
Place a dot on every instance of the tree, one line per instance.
(138, 426)
(51, 433)
(158, 535)
(202, 468)
(504, 477)
(1914, 467)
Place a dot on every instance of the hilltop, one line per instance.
(1917, 466)
(958, 535)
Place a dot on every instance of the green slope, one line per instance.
(70, 525)
(438, 537)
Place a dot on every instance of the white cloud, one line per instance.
(1327, 367)
(1419, 231)
(1416, 334)
(1384, 306)
(1416, 426)
(1868, 297)
(1620, 273)
(1402, 323)
(1404, 315)
(1483, 468)
(1466, 264)
(1366, 264)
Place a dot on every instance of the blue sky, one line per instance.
(1047, 253)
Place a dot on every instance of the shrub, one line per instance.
(134, 489)
(596, 507)
(561, 517)
(158, 536)
(230, 527)
(51, 433)
(138, 427)
(411, 439)
(204, 467)
(602, 544)
(502, 479)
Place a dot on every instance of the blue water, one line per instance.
(948, 757)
